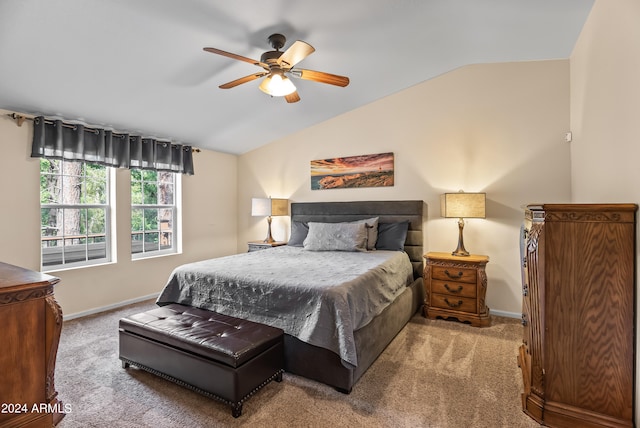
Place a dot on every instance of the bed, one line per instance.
(338, 316)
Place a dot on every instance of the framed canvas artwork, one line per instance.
(354, 171)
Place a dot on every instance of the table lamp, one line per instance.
(462, 205)
(268, 207)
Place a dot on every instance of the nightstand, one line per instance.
(455, 287)
(261, 245)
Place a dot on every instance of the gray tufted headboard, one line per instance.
(387, 211)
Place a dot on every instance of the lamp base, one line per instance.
(460, 251)
(269, 239)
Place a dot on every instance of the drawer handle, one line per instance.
(450, 290)
(452, 305)
(459, 275)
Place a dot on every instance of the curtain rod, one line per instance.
(20, 120)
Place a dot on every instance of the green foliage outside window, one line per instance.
(76, 184)
(152, 211)
(74, 199)
(74, 206)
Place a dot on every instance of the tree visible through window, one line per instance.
(74, 211)
(153, 212)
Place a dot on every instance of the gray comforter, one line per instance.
(319, 297)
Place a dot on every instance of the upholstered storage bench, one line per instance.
(222, 357)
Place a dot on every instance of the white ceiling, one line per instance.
(138, 65)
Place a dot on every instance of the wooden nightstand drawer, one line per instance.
(464, 304)
(462, 289)
(454, 274)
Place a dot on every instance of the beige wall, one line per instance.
(496, 128)
(605, 104)
(209, 199)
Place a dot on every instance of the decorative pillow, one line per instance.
(336, 237)
(299, 231)
(391, 236)
(372, 231)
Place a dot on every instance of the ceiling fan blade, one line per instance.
(236, 56)
(242, 80)
(298, 51)
(320, 76)
(292, 97)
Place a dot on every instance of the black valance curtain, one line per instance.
(59, 140)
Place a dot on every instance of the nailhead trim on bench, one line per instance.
(235, 406)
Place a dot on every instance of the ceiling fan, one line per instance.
(278, 66)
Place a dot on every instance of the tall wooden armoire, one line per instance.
(578, 355)
(30, 327)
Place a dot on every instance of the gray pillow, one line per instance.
(372, 231)
(391, 236)
(299, 231)
(336, 237)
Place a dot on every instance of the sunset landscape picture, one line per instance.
(354, 171)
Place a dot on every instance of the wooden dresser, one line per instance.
(30, 326)
(455, 287)
(578, 272)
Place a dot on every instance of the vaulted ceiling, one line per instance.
(138, 65)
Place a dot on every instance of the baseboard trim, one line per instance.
(506, 314)
(109, 307)
(94, 311)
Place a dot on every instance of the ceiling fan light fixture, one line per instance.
(278, 66)
(277, 85)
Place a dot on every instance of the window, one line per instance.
(153, 213)
(75, 213)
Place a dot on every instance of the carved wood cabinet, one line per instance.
(578, 352)
(30, 326)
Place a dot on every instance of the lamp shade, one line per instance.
(463, 205)
(267, 207)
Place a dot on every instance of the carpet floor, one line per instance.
(435, 373)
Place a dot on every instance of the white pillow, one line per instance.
(336, 237)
